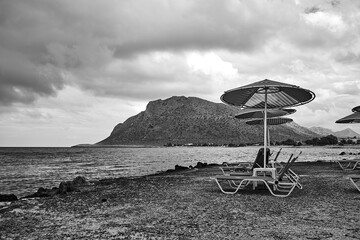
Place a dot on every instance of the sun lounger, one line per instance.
(355, 180)
(349, 164)
(277, 186)
(290, 173)
(241, 167)
(247, 167)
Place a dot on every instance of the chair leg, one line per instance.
(288, 191)
(281, 187)
(355, 183)
(229, 192)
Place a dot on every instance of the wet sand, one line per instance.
(188, 204)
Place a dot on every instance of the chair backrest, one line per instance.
(259, 160)
(277, 154)
(287, 166)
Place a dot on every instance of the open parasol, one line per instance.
(260, 113)
(356, 109)
(352, 118)
(270, 121)
(267, 94)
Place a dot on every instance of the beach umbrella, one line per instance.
(352, 118)
(267, 94)
(356, 109)
(271, 113)
(270, 121)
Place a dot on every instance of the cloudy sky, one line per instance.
(71, 70)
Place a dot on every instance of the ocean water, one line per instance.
(24, 170)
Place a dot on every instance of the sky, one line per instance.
(71, 70)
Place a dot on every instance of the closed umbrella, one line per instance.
(267, 94)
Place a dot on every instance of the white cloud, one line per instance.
(71, 118)
(329, 21)
(210, 64)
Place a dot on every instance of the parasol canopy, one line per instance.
(352, 118)
(260, 113)
(270, 121)
(267, 94)
(278, 94)
(356, 109)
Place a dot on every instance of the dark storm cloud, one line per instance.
(49, 44)
(23, 81)
(25, 71)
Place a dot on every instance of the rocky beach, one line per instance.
(187, 204)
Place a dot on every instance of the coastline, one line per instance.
(187, 204)
(112, 146)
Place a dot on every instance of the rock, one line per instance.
(178, 167)
(79, 181)
(200, 165)
(71, 186)
(8, 197)
(43, 192)
(66, 187)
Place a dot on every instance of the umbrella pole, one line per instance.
(265, 127)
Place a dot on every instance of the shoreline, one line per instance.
(187, 204)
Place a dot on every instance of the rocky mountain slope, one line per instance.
(340, 134)
(181, 120)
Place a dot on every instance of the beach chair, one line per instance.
(274, 161)
(349, 164)
(277, 186)
(243, 167)
(290, 173)
(355, 180)
(247, 168)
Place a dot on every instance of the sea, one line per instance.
(24, 170)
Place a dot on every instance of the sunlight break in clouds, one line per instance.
(331, 22)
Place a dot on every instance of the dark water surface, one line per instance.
(24, 170)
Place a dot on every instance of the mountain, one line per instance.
(346, 133)
(181, 120)
(340, 134)
(322, 131)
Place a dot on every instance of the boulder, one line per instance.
(79, 181)
(71, 186)
(8, 197)
(178, 167)
(200, 165)
(43, 192)
(64, 187)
